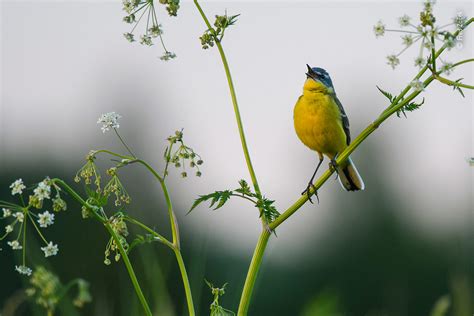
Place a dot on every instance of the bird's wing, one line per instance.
(344, 118)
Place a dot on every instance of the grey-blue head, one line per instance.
(319, 74)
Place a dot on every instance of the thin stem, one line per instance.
(37, 229)
(187, 287)
(124, 143)
(122, 251)
(252, 272)
(234, 103)
(161, 238)
(130, 270)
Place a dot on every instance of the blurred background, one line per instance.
(393, 249)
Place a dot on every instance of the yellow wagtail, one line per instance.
(323, 126)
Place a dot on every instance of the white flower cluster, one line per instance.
(42, 191)
(109, 121)
(17, 187)
(426, 32)
(45, 219)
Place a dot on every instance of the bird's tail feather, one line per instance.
(349, 177)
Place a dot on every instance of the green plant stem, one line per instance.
(184, 275)
(130, 270)
(179, 259)
(234, 103)
(123, 253)
(252, 272)
(161, 238)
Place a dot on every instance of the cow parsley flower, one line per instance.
(8, 229)
(15, 245)
(447, 68)
(45, 219)
(20, 217)
(393, 61)
(109, 121)
(6, 212)
(42, 191)
(417, 85)
(379, 29)
(429, 35)
(17, 187)
(23, 270)
(50, 249)
(404, 20)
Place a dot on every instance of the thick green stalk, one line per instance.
(252, 272)
(184, 275)
(130, 270)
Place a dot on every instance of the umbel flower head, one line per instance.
(426, 32)
(139, 10)
(18, 216)
(109, 121)
(181, 156)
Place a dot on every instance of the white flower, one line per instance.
(19, 216)
(407, 39)
(146, 40)
(15, 245)
(420, 61)
(45, 219)
(23, 270)
(8, 229)
(167, 56)
(6, 212)
(460, 19)
(404, 20)
(50, 249)
(129, 37)
(379, 29)
(109, 120)
(42, 191)
(447, 68)
(393, 61)
(17, 187)
(417, 85)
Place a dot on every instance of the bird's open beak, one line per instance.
(311, 74)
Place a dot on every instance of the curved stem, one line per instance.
(252, 272)
(130, 270)
(184, 275)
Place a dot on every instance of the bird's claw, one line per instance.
(307, 192)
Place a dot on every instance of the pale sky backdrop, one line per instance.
(64, 63)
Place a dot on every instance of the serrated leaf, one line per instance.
(244, 188)
(219, 197)
(268, 211)
(388, 95)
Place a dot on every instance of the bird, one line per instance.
(322, 125)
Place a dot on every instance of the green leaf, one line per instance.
(441, 306)
(268, 210)
(219, 197)
(244, 189)
(457, 88)
(140, 239)
(410, 107)
(388, 95)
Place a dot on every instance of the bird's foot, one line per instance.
(308, 193)
(333, 165)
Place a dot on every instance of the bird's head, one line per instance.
(318, 79)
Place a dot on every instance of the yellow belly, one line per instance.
(318, 123)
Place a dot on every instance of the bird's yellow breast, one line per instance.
(318, 121)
